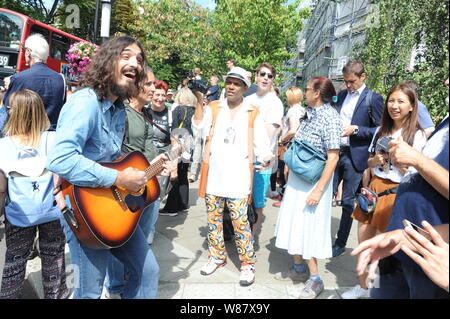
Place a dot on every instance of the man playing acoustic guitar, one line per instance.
(90, 130)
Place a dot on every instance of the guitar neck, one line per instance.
(154, 169)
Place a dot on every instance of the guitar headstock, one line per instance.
(182, 144)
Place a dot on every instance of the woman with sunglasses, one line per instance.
(30, 209)
(304, 221)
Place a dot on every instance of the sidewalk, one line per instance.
(181, 250)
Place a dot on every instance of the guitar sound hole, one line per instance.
(136, 203)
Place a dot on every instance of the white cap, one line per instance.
(238, 73)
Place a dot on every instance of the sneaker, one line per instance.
(356, 293)
(150, 238)
(293, 275)
(338, 250)
(273, 194)
(211, 266)
(312, 289)
(247, 276)
(164, 213)
(109, 295)
(277, 204)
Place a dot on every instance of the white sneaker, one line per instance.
(247, 276)
(171, 214)
(356, 293)
(211, 266)
(150, 238)
(109, 295)
(271, 194)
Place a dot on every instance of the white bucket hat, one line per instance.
(238, 73)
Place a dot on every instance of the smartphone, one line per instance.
(418, 229)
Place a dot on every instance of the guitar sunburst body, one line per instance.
(107, 217)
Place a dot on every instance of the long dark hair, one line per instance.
(100, 74)
(410, 124)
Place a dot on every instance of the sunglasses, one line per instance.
(263, 74)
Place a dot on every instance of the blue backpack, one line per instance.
(30, 198)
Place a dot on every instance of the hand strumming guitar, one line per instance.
(131, 179)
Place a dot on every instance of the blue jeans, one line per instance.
(115, 282)
(407, 282)
(91, 265)
(351, 178)
(149, 218)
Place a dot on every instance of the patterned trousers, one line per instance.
(19, 243)
(243, 235)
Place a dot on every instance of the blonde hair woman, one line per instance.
(25, 140)
(291, 121)
(178, 199)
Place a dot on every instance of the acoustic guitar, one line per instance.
(103, 218)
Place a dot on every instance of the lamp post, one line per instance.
(106, 20)
(105, 7)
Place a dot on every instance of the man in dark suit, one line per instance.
(360, 110)
(39, 78)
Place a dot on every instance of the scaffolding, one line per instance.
(327, 40)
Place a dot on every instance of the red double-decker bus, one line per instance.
(15, 29)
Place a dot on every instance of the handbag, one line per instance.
(282, 148)
(367, 199)
(305, 160)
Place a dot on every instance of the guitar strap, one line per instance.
(148, 117)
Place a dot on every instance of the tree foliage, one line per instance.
(178, 36)
(35, 9)
(255, 31)
(407, 26)
(123, 14)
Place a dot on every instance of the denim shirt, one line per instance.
(88, 132)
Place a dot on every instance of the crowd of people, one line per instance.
(352, 140)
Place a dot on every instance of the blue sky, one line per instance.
(210, 4)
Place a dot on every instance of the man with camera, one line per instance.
(228, 126)
(360, 110)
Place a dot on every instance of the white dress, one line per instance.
(303, 229)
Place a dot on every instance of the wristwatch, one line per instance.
(355, 131)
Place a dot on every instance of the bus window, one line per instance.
(59, 47)
(10, 30)
(37, 29)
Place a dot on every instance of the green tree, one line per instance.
(35, 9)
(123, 14)
(406, 26)
(255, 31)
(178, 36)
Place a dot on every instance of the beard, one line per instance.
(124, 92)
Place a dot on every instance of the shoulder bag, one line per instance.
(305, 160)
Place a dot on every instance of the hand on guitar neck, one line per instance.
(134, 180)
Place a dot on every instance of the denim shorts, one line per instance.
(261, 182)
